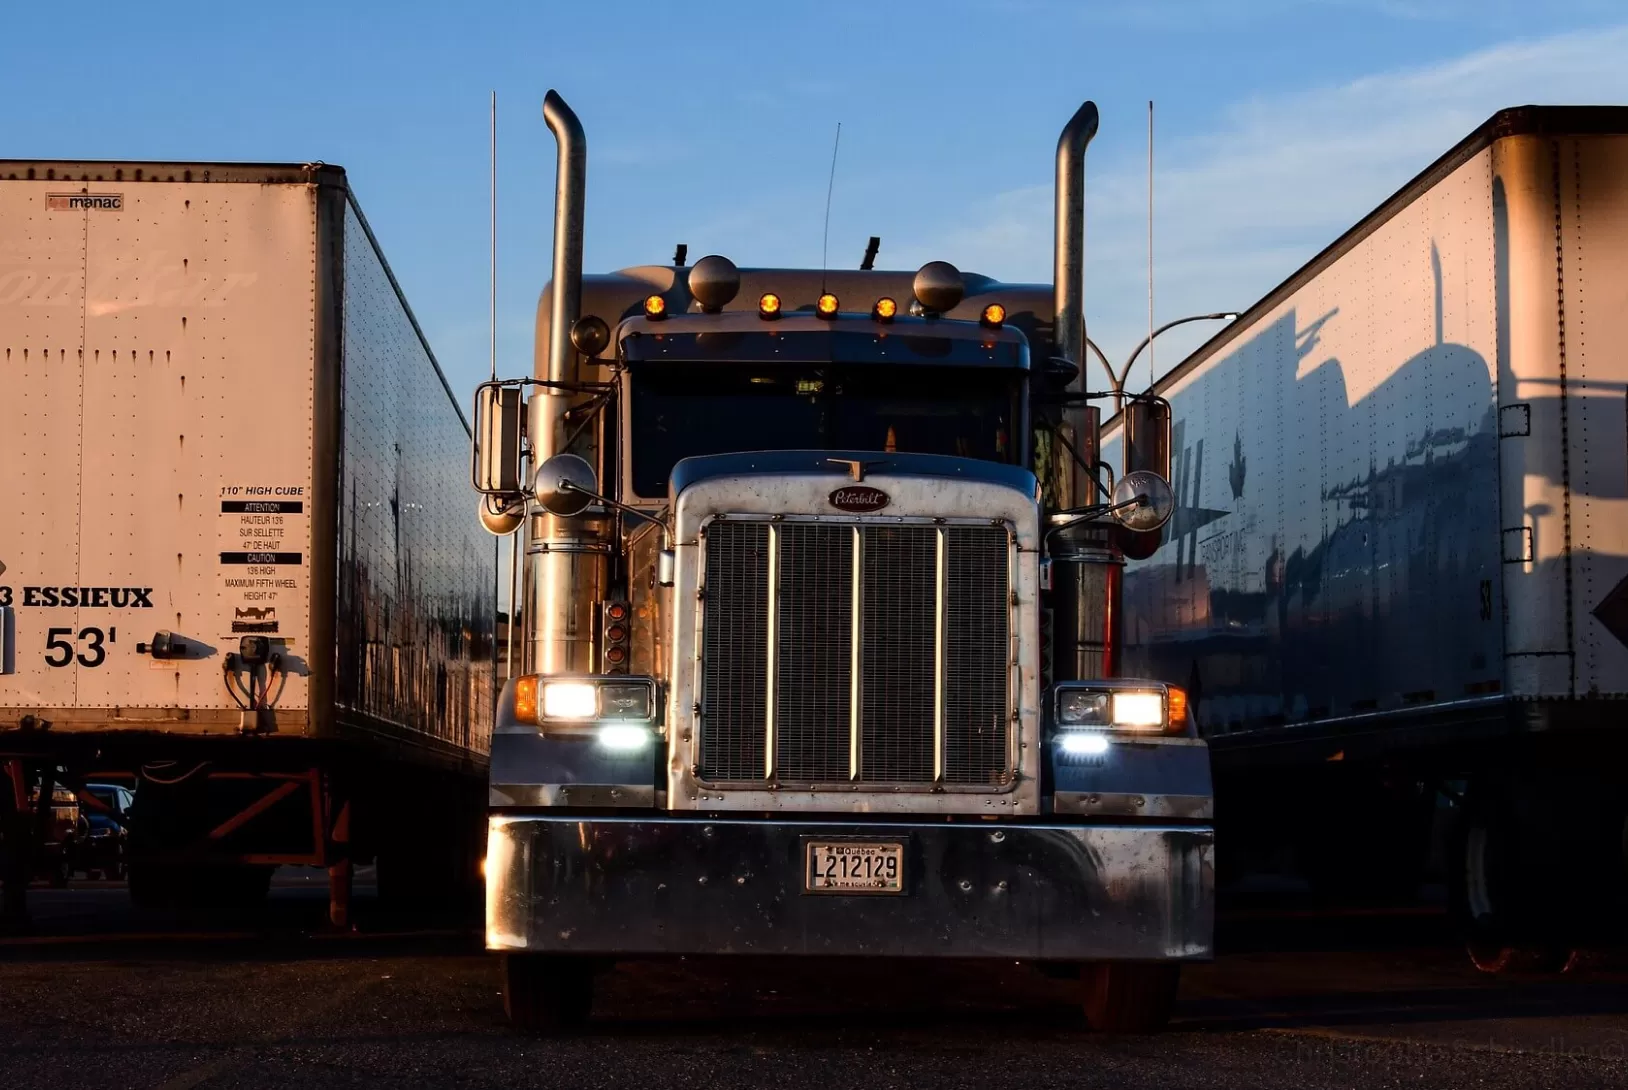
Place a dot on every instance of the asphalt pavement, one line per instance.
(1297, 999)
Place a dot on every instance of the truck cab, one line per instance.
(817, 615)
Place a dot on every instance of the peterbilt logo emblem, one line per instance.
(859, 498)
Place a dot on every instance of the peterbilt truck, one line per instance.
(1396, 582)
(818, 611)
(235, 569)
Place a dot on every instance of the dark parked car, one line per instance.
(60, 849)
(103, 843)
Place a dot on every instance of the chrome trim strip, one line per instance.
(856, 642)
(941, 593)
(772, 658)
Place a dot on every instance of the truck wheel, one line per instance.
(1129, 997)
(1498, 900)
(543, 994)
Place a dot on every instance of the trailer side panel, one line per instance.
(415, 602)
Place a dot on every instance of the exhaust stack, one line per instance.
(572, 180)
(566, 557)
(1086, 568)
(1068, 248)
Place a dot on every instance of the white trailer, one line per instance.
(1398, 570)
(236, 566)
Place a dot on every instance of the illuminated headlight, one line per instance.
(1115, 704)
(624, 738)
(1083, 743)
(1138, 711)
(570, 706)
(570, 700)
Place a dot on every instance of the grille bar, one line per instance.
(843, 654)
(856, 622)
(771, 676)
(940, 593)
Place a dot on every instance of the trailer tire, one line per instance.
(1127, 996)
(547, 994)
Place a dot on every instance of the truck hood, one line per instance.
(785, 463)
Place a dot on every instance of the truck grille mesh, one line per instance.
(934, 644)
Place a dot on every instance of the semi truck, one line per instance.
(1396, 583)
(817, 625)
(236, 571)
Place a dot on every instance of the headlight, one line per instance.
(625, 701)
(1077, 708)
(1138, 711)
(570, 700)
(575, 704)
(620, 737)
(1083, 743)
(1141, 707)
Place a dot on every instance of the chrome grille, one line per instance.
(734, 652)
(888, 646)
(899, 659)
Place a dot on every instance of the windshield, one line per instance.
(680, 410)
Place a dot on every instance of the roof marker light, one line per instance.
(884, 310)
(994, 314)
(826, 307)
(768, 305)
(655, 307)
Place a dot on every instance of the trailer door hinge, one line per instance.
(1518, 545)
(1514, 421)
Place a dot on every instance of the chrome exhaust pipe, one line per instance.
(1086, 568)
(1068, 247)
(567, 556)
(571, 181)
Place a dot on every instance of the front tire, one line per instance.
(1129, 997)
(545, 994)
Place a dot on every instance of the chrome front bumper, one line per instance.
(677, 885)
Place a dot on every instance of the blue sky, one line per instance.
(1279, 124)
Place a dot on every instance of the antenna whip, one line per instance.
(825, 238)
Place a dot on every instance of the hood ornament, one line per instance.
(856, 468)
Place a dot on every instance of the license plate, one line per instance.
(853, 866)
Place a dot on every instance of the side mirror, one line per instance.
(495, 448)
(566, 485)
(1147, 435)
(1157, 502)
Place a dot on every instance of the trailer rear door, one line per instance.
(155, 428)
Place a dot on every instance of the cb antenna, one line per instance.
(825, 238)
(1153, 375)
(492, 304)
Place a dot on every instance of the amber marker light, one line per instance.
(1176, 701)
(994, 314)
(827, 306)
(525, 699)
(768, 305)
(655, 307)
(884, 310)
